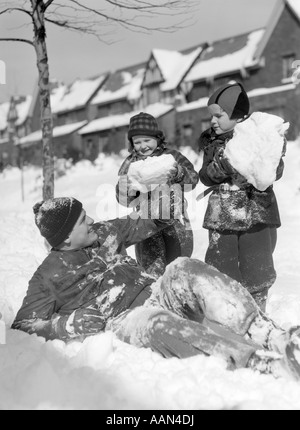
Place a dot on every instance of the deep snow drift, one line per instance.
(102, 372)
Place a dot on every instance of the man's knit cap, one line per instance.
(56, 218)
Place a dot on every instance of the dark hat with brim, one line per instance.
(233, 99)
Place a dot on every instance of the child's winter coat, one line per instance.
(174, 241)
(234, 204)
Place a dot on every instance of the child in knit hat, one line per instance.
(153, 180)
(242, 218)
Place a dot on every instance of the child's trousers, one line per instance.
(156, 252)
(246, 257)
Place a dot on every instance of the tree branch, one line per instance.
(12, 9)
(147, 6)
(129, 23)
(75, 27)
(47, 4)
(124, 6)
(16, 40)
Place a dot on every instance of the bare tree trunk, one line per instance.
(38, 9)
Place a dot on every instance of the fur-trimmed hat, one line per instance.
(144, 124)
(56, 218)
(233, 99)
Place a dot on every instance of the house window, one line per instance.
(168, 97)
(287, 66)
(153, 95)
(187, 130)
(205, 124)
(102, 144)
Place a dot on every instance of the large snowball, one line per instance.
(256, 148)
(152, 171)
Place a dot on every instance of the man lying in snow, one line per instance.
(88, 284)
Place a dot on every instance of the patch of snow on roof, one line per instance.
(197, 104)
(113, 121)
(295, 5)
(57, 96)
(167, 61)
(134, 90)
(62, 130)
(4, 107)
(262, 91)
(77, 94)
(242, 58)
(174, 66)
(23, 110)
(131, 89)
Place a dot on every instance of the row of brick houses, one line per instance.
(91, 116)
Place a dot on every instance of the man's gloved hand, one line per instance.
(86, 321)
(82, 322)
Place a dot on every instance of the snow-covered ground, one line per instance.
(102, 372)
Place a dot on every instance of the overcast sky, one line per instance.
(74, 56)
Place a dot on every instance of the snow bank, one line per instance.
(256, 148)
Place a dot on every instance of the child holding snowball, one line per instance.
(242, 157)
(153, 180)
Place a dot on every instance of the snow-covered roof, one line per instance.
(113, 121)
(197, 104)
(4, 107)
(22, 105)
(202, 102)
(22, 108)
(62, 130)
(3, 141)
(56, 96)
(262, 91)
(174, 65)
(227, 55)
(295, 5)
(75, 95)
(122, 84)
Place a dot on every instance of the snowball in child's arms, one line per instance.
(151, 171)
(256, 148)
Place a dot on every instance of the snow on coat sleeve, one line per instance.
(58, 287)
